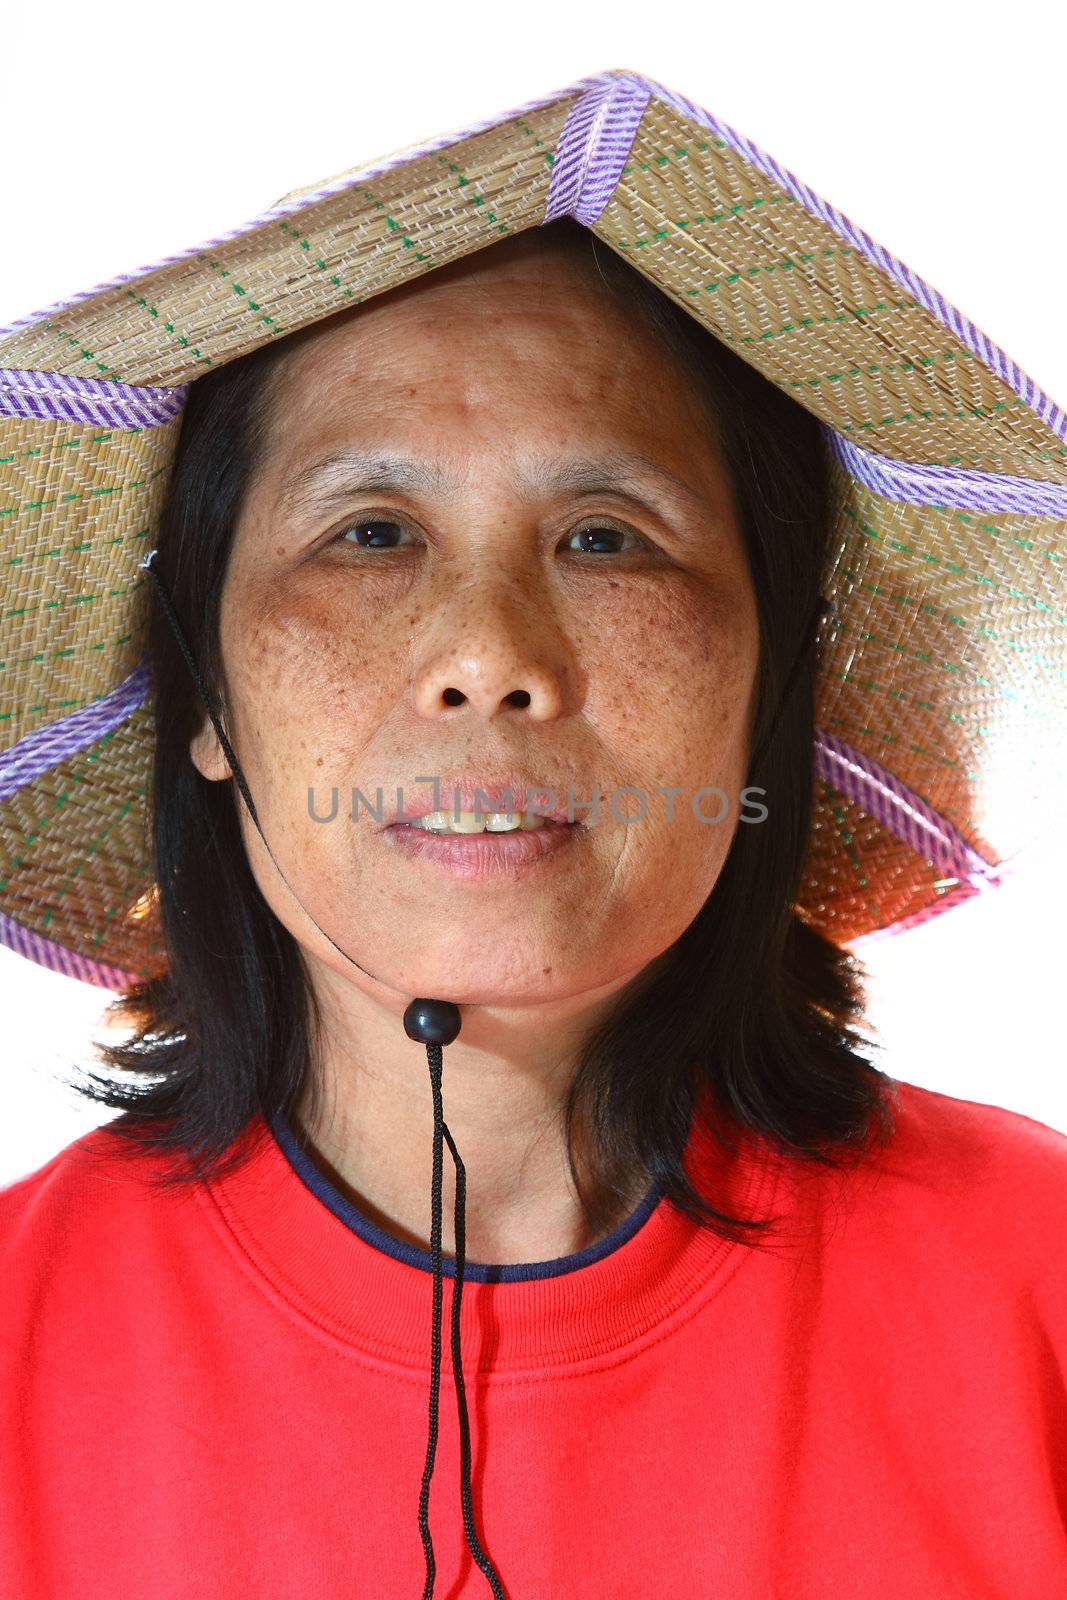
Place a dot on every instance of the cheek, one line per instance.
(672, 696)
(304, 682)
(674, 668)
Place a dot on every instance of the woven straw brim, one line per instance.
(941, 707)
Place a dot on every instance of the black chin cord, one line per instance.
(434, 1023)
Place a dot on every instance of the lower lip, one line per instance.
(486, 855)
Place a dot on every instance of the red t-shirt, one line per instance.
(223, 1391)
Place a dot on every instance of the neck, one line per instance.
(368, 1116)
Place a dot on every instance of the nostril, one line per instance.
(456, 697)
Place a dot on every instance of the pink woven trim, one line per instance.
(972, 337)
(45, 747)
(100, 402)
(921, 485)
(302, 202)
(57, 958)
(965, 890)
(996, 359)
(897, 807)
(592, 150)
(945, 902)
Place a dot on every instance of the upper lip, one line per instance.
(492, 794)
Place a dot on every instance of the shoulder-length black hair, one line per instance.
(748, 1019)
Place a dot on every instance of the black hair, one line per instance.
(752, 1011)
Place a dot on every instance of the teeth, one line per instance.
(473, 822)
(501, 822)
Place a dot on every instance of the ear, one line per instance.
(207, 753)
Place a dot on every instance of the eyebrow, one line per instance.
(332, 479)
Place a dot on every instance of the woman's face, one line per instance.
(528, 563)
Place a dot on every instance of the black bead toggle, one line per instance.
(431, 1021)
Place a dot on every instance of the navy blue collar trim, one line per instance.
(473, 1271)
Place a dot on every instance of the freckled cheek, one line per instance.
(307, 680)
(674, 673)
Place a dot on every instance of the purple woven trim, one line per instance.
(898, 808)
(301, 202)
(944, 902)
(57, 958)
(973, 338)
(964, 890)
(593, 148)
(952, 486)
(976, 341)
(96, 400)
(42, 749)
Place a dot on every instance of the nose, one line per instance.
(494, 652)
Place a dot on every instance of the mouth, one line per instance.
(494, 846)
(469, 824)
(470, 807)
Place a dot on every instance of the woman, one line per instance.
(482, 645)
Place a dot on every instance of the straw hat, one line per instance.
(941, 703)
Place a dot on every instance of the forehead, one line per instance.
(517, 352)
(517, 299)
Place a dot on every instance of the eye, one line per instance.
(372, 533)
(594, 536)
(386, 533)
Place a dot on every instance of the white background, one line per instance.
(141, 130)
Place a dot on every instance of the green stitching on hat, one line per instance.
(806, 322)
(916, 749)
(829, 795)
(720, 144)
(409, 244)
(252, 305)
(998, 533)
(663, 160)
(142, 872)
(549, 156)
(53, 327)
(65, 499)
(76, 776)
(74, 600)
(463, 181)
(153, 311)
(928, 610)
(908, 416)
(877, 366)
(5, 716)
(783, 264)
(22, 661)
(305, 244)
(119, 538)
(951, 566)
(947, 666)
(29, 839)
(67, 444)
(123, 810)
(869, 684)
(958, 516)
(714, 216)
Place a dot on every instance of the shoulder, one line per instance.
(966, 1147)
(98, 1187)
(964, 1180)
